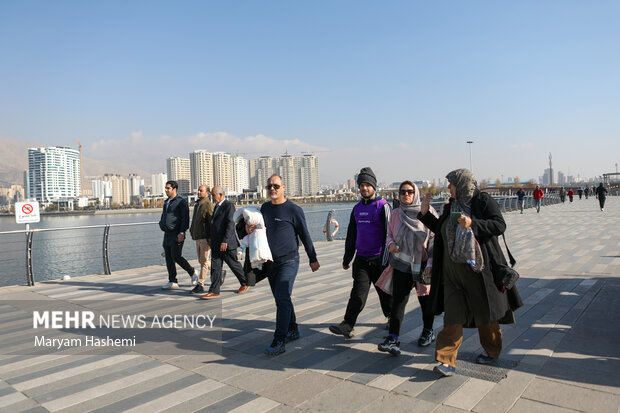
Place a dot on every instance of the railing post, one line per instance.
(106, 261)
(29, 272)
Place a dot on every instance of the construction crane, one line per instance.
(81, 174)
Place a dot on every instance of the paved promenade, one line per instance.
(562, 355)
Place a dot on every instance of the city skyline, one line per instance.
(399, 86)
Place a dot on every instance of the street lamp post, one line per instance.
(470, 167)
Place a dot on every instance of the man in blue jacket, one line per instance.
(174, 222)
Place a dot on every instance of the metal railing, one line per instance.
(48, 253)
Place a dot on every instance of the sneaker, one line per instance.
(482, 359)
(194, 278)
(342, 329)
(426, 338)
(170, 286)
(292, 335)
(390, 345)
(276, 347)
(198, 289)
(445, 371)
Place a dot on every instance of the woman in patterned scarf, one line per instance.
(465, 250)
(408, 242)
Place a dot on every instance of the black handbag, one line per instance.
(504, 276)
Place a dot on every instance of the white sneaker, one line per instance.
(170, 286)
(195, 279)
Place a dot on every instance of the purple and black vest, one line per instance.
(370, 229)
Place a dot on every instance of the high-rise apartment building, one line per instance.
(240, 174)
(289, 166)
(201, 166)
(158, 183)
(53, 173)
(309, 175)
(120, 189)
(222, 170)
(300, 174)
(102, 190)
(136, 186)
(253, 179)
(265, 167)
(178, 169)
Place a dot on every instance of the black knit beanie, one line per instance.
(367, 176)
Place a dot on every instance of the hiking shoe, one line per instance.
(343, 329)
(426, 338)
(170, 286)
(390, 345)
(194, 278)
(292, 336)
(445, 371)
(276, 347)
(198, 289)
(482, 359)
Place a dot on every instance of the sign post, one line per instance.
(27, 213)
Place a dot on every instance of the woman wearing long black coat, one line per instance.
(465, 291)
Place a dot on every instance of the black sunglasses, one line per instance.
(407, 191)
(275, 186)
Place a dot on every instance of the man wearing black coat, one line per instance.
(224, 244)
(174, 222)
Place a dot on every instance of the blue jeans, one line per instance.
(281, 279)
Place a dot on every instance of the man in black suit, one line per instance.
(224, 244)
(174, 222)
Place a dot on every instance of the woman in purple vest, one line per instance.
(408, 242)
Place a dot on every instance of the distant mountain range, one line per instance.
(14, 161)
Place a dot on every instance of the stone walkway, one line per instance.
(562, 355)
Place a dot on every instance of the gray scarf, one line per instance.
(462, 244)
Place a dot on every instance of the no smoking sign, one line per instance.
(27, 212)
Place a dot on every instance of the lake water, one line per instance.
(80, 251)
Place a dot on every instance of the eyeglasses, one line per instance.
(274, 186)
(407, 191)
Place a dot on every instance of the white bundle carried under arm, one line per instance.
(258, 246)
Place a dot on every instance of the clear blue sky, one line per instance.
(396, 85)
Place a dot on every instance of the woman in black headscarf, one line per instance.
(462, 286)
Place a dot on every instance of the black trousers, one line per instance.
(365, 271)
(402, 284)
(173, 252)
(601, 201)
(218, 258)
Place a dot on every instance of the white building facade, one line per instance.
(53, 173)
(158, 183)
